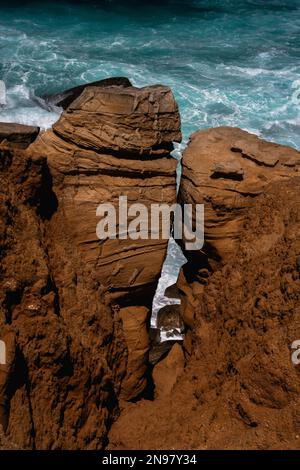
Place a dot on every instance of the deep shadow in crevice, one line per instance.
(148, 392)
(45, 198)
(12, 298)
(229, 176)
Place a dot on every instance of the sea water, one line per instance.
(228, 62)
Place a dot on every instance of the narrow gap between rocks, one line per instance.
(166, 327)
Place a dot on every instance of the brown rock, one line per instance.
(130, 121)
(5, 444)
(240, 388)
(17, 135)
(167, 371)
(135, 325)
(95, 178)
(65, 98)
(169, 318)
(226, 169)
(172, 292)
(159, 350)
(61, 288)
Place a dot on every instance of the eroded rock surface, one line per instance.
(226, 169)
(135, 321)
(240, 302)
(141, 123)
(167, 372)
(128, 121)
(240, 388)
(63, 291)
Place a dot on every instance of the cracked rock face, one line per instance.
(66, 97)
(113, 142)
(130, 121)
(64, 293)
(226, 169)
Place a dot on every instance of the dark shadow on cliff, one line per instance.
(46, 199)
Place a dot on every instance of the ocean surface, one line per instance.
(228, 62)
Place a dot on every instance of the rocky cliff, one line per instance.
(240, 302)
(72, 305)
(75, 309)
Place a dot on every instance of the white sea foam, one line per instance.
(174, 260)
(20, 108)
(31, 116)
(2, 93)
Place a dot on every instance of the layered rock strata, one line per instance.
(65, 98)
(226, 169)
(66, 296)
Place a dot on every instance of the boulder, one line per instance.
(123, 121)
(172, 292)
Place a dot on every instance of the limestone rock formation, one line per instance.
(64, 292)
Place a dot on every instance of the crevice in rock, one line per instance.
(45, 199)
(231, 176)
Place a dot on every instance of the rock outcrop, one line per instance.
(226, 169)
(240, 300)
(74, 309)
(113, 142)
(64, 293)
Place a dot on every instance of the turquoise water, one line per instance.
(228, 62)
